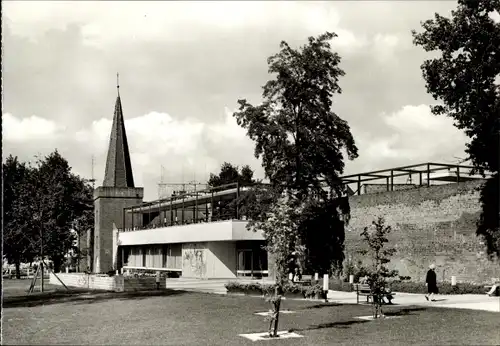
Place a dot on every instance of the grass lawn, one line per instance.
(181, 318)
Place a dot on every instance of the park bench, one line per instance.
(364, 290)
(494, 281)
(302, 283)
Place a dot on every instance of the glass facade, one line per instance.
(251, 259)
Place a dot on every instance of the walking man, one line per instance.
(431, 282)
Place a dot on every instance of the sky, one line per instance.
(184, 65)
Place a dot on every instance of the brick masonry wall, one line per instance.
(376, 188)
(108, 208)
(435, 224)
(142, 283)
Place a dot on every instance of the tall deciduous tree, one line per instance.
(300, 139)
(18, 244)
(45, 203)
(466, 78)
(302, 143)
(63, 199)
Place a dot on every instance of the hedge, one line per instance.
(291, 290)
(317, 289)
(417, 287)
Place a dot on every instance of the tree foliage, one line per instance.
(376, 238)
(321, 226)
(47, 205)
(300, 139)
(232, 174)
(229, 174)
(302, 143)
(465, 77)
(17, 245)
(281, 231)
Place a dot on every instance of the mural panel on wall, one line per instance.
(195, 259)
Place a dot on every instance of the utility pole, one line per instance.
(92, 180)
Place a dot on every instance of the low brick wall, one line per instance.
(90, 281)
(142, 283)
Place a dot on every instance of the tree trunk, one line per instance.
(273, 325)
(377, 304)
(57, 263)
(276, 321)
(18, 268)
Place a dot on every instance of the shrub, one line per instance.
(293, 288)
(253, 287)
(312, 291)
(357, 271)
(233, 286)
(348, 269)
(268, 289)
(336, 285)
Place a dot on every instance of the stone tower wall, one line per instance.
(108, 208)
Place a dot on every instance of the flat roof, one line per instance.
(426, 170)
(452, 177)
(187, 200)
(421, 168)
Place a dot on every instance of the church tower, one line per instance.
(117, 192)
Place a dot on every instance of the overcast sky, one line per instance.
(184, 65)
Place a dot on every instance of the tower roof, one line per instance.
(118, 166)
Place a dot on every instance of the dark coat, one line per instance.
(431, 281)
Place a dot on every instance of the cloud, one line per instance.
(183, 66)
(384, 46)
(29, 129)
(190, 149)
(416, 136)
(187, 148)
(105, 23)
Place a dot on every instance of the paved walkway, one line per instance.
(458, 301)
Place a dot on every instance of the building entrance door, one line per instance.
(252, 263)
(245, 263)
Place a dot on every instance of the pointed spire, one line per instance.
(118, 166)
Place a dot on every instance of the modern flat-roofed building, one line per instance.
(184, 234)
(179, 234)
